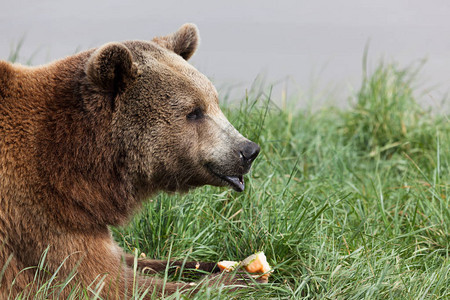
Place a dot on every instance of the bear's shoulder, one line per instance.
(6, 72)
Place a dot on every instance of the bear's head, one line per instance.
(166, 121)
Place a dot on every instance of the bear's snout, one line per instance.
(231, 171)
(248, 153)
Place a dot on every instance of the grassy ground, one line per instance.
(346, 204)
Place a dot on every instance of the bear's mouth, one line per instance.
(234, 181)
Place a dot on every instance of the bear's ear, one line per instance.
(111, 67)
(183, 42)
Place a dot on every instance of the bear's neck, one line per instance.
(68, 150)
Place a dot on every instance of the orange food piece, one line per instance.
(227, 265)
(257, 263)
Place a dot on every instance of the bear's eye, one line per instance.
(195, 114)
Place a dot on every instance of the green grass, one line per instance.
(347, 204)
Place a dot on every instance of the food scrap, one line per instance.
(227, 265)
(254, 264)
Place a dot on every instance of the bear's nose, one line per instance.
(249, 152)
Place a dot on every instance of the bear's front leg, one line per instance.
(153, 266)
(235, 280)
(99, 268)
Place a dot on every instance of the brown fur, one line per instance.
(84, 140)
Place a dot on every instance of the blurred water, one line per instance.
(314, 48)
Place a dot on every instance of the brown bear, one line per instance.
(86, 139)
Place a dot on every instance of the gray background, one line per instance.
(311, 49)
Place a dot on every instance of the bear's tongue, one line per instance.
(236, 182)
